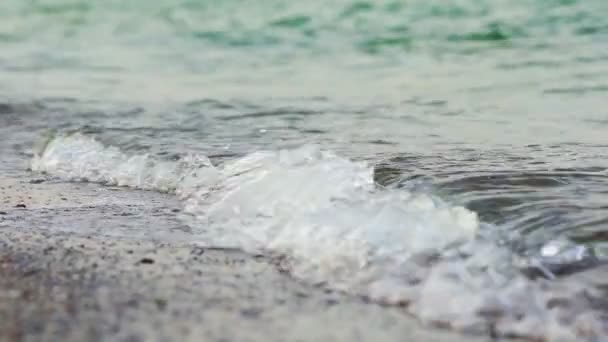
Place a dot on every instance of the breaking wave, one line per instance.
(324, 220)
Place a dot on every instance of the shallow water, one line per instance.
(403, 121)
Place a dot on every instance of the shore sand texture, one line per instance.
(65, 275)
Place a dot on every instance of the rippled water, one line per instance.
(494, 106)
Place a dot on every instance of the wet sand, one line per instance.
(65, 276)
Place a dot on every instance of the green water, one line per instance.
(389, 49)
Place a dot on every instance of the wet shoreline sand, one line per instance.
(71, 286)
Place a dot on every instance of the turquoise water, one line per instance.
(498, 106)
(410, 74)
(371, 53)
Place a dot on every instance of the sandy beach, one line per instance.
(63, 279)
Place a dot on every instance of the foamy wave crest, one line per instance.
(322, 218)
(325, 214)
(81, 158)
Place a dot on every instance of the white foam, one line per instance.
(328, 222)
(325, 214)
(81, 158)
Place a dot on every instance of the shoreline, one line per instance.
(76, 285)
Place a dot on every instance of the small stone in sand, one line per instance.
(146, 261)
